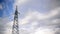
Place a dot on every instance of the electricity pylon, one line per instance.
(15, 27)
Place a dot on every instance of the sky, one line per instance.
(36, 16)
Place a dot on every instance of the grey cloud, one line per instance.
(43, 5)
(57, 31)
(47, 23)
(3, 23)
(52, 23)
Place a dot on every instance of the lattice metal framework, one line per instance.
(15, 28)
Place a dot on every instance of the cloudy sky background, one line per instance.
(36, 16)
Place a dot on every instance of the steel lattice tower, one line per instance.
(15, 28)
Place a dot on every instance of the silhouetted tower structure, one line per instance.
(15, 28)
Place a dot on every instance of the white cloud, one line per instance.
(41, 16)
(20, 2)
(43, 31)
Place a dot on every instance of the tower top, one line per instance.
(16, 11)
